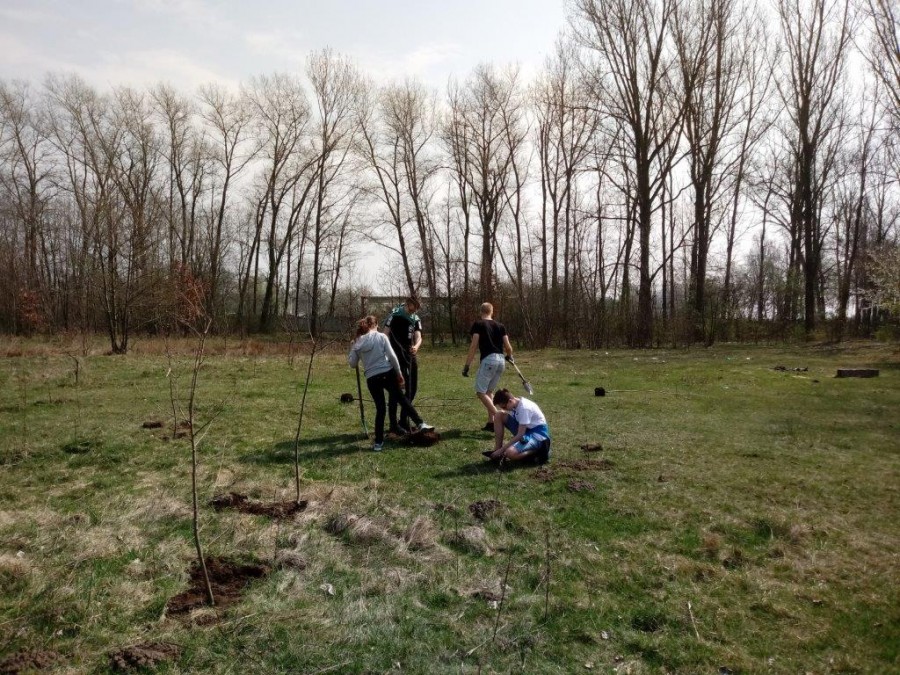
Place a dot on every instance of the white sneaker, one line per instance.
(424, 426)
(378, 447)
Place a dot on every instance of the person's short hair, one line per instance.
(487, 308)
(502, 397)
(414, 301)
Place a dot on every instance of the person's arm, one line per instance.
(507, 347)
(501, 451)
(353, 356)
(417, 339)
(392, 357)
(473, 347)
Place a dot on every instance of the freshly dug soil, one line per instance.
(152, 424)
(421, 439)
(580, 486)
(592, 447)
(144, 655)
(29, 662)
(242, 503)
(227, 578)
(544, 475)
(484, 510)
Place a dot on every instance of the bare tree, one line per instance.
(286, 181)
(632, 70)
(816, 36)
(484, 113)
(228, 118)
(26, 183)
(337, 94)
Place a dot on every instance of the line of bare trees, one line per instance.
(679, 170)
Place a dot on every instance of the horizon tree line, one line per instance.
(679, 171)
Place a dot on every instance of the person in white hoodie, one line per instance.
(382, 375)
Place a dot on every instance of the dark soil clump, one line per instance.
(580, 486)
(227, 578)
(484, 510)
(544, 475)
(242, 503)
(152, 424)
(144, 655)
(28, 662)
(421, 439)
(592, 447)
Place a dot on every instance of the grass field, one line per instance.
(738, 518)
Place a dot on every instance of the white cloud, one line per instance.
(196, 14)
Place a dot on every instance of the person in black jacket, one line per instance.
(404, 329)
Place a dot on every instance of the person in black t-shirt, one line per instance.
(404, 329)
(490, 339)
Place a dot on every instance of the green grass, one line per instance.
(765, 501)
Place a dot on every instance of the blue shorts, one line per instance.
(489, 372)
(533, 439)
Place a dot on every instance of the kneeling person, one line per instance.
(524, 419)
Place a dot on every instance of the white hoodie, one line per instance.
(376, 353)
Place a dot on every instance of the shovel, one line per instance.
(525, 383)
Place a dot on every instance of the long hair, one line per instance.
(366, 324)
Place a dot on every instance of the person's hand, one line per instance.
(510, 359)
(498, 454)
(413, 350)
(466, 370)
(400, 380)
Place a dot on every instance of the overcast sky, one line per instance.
(188, 42)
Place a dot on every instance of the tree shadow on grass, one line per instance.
(311, 449)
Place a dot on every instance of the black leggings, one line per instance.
(377, 385)
(409, 368)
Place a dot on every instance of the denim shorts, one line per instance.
(489, 372)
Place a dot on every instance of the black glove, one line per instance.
(510, 359)
(465, 371)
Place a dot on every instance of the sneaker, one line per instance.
(488, 427)
(424, 426)
(378, 447)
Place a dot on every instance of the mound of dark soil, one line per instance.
(29, 662)
(592, 447)
(484, 510)
(580, 486)
(227, 578)
(152, 424)
(144, 655)
(421, 439)
(544, 475)
(242, 503)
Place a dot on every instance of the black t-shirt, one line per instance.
(490, 336)
(403, 327)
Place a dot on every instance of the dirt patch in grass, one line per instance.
(242, 503)
(592, 447)
(421, 439)
(34, 660)
(544, 475)
(144, 655)
(227, 578)
(484, 510)
(580, 486)
(152, 424)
